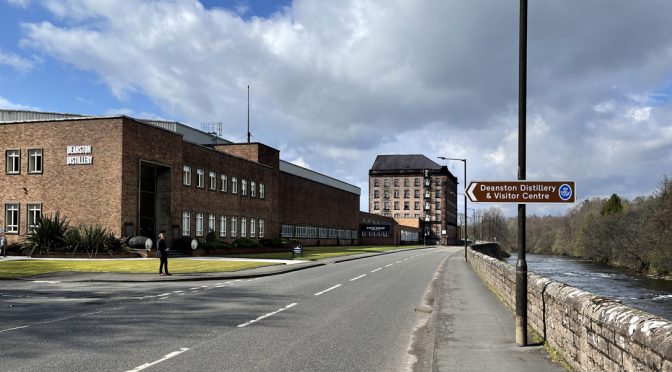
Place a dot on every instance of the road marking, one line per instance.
(378, 269)
(12, 329)
(93, 313)
(327, 290)
(46, 281)
(389, 265)
(168, 356)
(164, 294)
(267, 315)
(398, 262)
(359, 277)
(194, 288)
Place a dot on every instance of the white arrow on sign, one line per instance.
(470, 191)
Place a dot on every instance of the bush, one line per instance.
(49, 234)
(273, 243)
(245, 243)
(94, 238)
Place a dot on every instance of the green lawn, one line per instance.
(319, 253)
(24, 268)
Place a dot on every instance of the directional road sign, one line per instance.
(522, 192)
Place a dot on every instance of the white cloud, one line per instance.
(6, 104)
(19, 3)
(338, 82)
(300, 162)
(16, 62)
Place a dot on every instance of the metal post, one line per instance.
(521, 265)
(466, 229)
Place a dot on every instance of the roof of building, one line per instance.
(400, 162)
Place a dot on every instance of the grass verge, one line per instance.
(25, 268)
(319, 253)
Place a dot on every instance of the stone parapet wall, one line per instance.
(593, 333)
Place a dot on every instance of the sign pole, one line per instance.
(521, 264)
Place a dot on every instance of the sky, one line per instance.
(335, 83)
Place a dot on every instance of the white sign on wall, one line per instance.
(79, 155)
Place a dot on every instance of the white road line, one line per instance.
(398, 262)
(359, 277)
(327, 290)
(46, 281)
(267, 315)
(12, 329)
(168, 356)
(193, 289)
(378, 269)
(93, 313)
(389, 265)
(164, 294)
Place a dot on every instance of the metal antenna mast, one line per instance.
(248, 114)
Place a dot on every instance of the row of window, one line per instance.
(407, 206)
(407, 194)
(407, 182)
(376, 234)
(13, 161)
(409, 236)
(223, 183)
(255, 228)
(13, 217)
(315, 232)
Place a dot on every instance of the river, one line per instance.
(651, 295)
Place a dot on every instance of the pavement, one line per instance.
(473, 330)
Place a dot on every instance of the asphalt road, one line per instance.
(353, 316)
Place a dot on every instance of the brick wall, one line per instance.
(593, 333)
(91, 194)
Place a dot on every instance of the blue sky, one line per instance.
(335, 83)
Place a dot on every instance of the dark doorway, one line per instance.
(154, 200)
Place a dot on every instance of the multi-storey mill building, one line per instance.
(415, 191)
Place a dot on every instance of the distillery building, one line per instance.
(415, 191)
(139, 177)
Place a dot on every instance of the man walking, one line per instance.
(163, 255)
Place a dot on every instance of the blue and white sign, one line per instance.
(565, 192)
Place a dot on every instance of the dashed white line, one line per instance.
(378, 269)
(327, 290)
(389, 265)
(267, 315)
(168, 356)
(398, 262)
(46, 281)
(15, 328)
(164, 294)
(359, 277)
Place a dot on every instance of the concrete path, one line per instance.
(474, 330)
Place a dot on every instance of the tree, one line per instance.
(612, 206)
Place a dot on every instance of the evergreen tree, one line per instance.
(612, 206)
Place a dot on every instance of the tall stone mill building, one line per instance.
(415, 191)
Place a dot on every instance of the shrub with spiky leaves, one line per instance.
(49, 233)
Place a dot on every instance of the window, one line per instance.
(35, 161)
(437, 194)
(234, 185)
(234, 227)
(376, 206)
(416, 193)
(416, 182)
(243, 187)
(437, 205)
(13, 162)
(407, 194)
(225, 185)
(200, 182)
(213, 180)
(407, 182)
(34, 213)
(386, 194)
(261, 227)
(253, 228)
(211, 223)
(253, 189)
(417, 206)
(376, 194)
(437, 181)
(287, 231)
(376, 182)
(199, 224)
(12, 218)
(186, 224)
(396, 205)
(243, 227)
(396, 194)
(386, 206)
(396, 182)
(407, 206)
(386, 182)
(222, 226)
(262, 191)
(186, 175)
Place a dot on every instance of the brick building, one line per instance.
(415, 190)
(380, 230)
(139, 177)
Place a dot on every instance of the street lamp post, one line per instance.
(466, 234)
